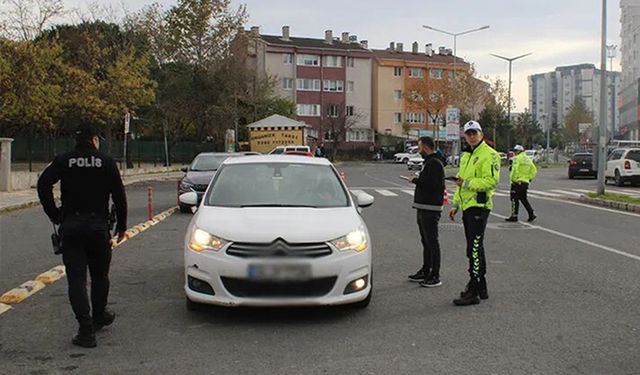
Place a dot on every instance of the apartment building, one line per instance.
(630, 93)
(394, 72)
(325, 77)
(552, 94)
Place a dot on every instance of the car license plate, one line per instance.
(279, 272)
(584, 170)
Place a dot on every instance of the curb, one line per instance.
(620, 206)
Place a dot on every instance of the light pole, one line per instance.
(510, 60)
(548, 129)
(611, 54)
(602, 133)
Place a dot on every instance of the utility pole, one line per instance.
(602, 128)
(611, 54)
(510, 60)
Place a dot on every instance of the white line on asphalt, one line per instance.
(544, 193)
(566, 192)
(386, 193)
(568, 236)
(590, 206)
(504, 191)
(410, 192)
(582, 190)
(356, 192)
(500, 194)
(624, 191)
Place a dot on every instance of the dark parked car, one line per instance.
(581, 164)
(200, 172)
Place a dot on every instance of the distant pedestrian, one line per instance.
(523, 171)
(88, 179)
(428, 201)
(477, 181)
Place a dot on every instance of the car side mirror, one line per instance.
(190, 198)
(364, 200)
(184, 169)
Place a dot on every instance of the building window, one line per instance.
(287, 83)
(349, 111)
(332, 110)
(308, 84)
(416, 73)
(311, 110)
(351, 62)
(334, 86)
(397, 118)
(350, 86)
(333, 61)
(287, 58)
(397, 94)
(397, 72)
(415, 118)
(309, 60)
(435, 73)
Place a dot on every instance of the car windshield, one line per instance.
(208, 162)
(277, 185)
(634, 155)
(582, 157)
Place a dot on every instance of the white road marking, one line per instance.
(356, 192)
(410, 192)
(583, 190)
(386, 193)
(624, 191)
(500, 194)
(570, 237)
(504, 191)
(544, 193)
(564, 192)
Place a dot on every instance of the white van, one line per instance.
(282, 149)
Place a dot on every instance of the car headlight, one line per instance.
(356, 240)
(201, 241)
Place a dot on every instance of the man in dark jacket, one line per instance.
(88, 179)
(428, 200)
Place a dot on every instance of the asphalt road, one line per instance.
(564, 299)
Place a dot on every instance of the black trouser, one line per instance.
(519, 194)
(86, 243)
(475, 223)
(428, 225)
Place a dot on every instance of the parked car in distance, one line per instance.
(503, 158)
(282, 149)
(581, 164)
(534, 155)
(277, 231)
(415, 162)
(403, 157)
(299, 153)
(200, 172)
(623, 165)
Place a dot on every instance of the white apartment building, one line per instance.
(630, 102)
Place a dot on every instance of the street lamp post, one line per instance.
(510, 60)
(611, 54)
(602, 136)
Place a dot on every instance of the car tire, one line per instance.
(618, 179)
(405, 160)
(192, 306)
(185, 209)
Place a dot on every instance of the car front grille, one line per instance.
(279, 248)
(249, 288)
(200, 187)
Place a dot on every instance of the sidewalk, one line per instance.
(17, 200)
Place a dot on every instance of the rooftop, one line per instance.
(312, 43)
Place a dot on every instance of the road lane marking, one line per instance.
(500, 194)
(31, 287)
(570, 237)
(564, 192)
(386, 193)
(583, 190)
(410, 192)
(544, 193)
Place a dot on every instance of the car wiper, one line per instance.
(277, 205)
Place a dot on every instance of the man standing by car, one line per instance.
(428, 200)
(477, 181)
(87, 179)
(523, 171)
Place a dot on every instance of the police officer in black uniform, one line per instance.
(88, 179)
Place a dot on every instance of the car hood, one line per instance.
(266, 224)
(199, 177)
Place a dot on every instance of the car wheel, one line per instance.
(185, 209)
(571, 176)
(405, 160)
(192, 306)
(618, 179)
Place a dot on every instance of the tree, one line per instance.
(336, 124)
(526, 130)
(25, 19)
(578, 114)
(471, 94)
(431, 95)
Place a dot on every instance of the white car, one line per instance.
(277, 231)
(403, 157)
(415, 162)
(534, 155)
(623, 165)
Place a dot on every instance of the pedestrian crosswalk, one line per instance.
(395, 192)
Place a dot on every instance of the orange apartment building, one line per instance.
(396, 71)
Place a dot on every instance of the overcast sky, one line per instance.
(558, 32)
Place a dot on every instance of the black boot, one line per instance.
(85, 337)
(482, 290)
(105, 319)
(470, 296)
(511, 219)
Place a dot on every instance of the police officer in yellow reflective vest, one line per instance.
(477, 181)
(523, 171)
